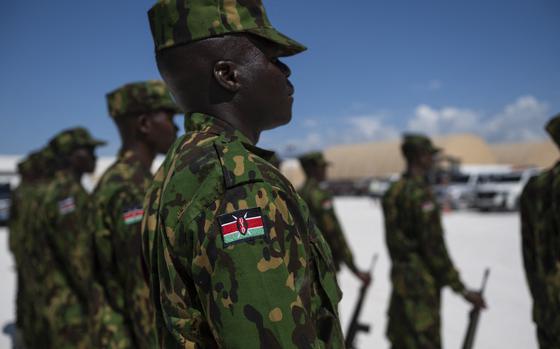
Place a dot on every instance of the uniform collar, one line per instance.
(416, 178)
(199, 122)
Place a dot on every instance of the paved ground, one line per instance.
(475, 241)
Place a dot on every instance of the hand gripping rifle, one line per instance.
(474, 316)
(355, 325)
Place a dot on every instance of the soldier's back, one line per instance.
(235, 260)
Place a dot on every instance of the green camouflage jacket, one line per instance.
(35, 269)
(320, 204)
(19, 214)
(414, 236)
(540, 231)
(235, 260)
(68, 282)
(116, 217)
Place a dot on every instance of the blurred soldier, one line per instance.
(143, 113)
(235, 260)
(540, 232)
(38, 260)
(421, 266)
(63, 217)
(320, 203)
(19, 213)
(24, 242)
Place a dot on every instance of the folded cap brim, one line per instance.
(288, 46)
(97, 143)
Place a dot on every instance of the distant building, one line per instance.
(383, 159)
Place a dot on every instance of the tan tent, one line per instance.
(541, 154)
(384, 158)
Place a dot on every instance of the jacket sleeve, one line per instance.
(331, 229)
(528, 245)
(254, 292)
(127, 214)
(69, 239)
(432, 243)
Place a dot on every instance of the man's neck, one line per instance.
(414, 170)
(235, 118)
(141, 151)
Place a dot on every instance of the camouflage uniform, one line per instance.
(321, 206)
(540, 231)
(19, 212)
(116, 217)
(421, 265)
(38, 260)
(270, 283)
(67, 282)
(26, 246)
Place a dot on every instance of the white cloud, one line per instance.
(369, 127)
(521, 120)
(310, 123)
(445, 120)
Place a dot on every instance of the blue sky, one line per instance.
(372, 70)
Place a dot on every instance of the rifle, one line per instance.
(355, 325)
(474, 316)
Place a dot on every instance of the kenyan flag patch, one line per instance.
(133, 215)
(242, 225)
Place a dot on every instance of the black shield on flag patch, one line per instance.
(242, 226)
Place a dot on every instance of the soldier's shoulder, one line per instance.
(538, 184)
(118, 178)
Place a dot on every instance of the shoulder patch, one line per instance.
(327, 204)
(428, 206)
(133, 215)
(66, 206)
(242, 226)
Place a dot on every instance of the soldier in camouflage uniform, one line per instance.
(27, 247)
(68, 241)
(235, 259)
(421, 266)
(38, 260)
(540, 232)
(143, 113)
(19, 213)
(320, 203)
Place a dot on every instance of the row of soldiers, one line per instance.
(217, 250)
(81, 281)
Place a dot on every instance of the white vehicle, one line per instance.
(461, 187)
(502, 190)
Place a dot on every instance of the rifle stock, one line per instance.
(474, 316)
(356, 326)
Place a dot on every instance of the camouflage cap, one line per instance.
(68, 140)
(25, 166)
(140, 97)
(553, 128)
(313, 159)
(414, 143)
(177, 22)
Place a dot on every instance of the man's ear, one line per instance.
(143, 124)
(227, 75)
